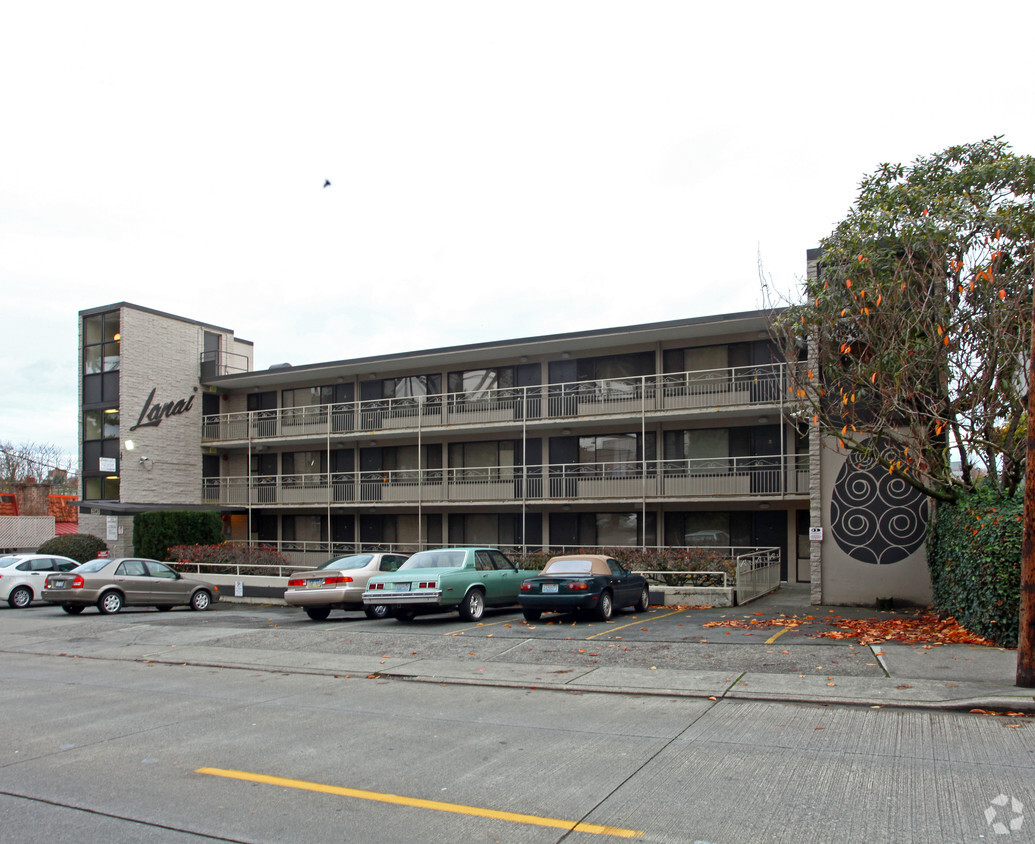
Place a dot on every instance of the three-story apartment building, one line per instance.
(663, 435)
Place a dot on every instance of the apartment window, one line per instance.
(303, 462)
(101, 341)
(610, 448)
(601, 529)
(477, 384)
(411, 386)
(101, 358)
(101, 489)
(615, 366)
(482, 460)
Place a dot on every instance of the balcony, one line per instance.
(757, 477)
(214, 363)
(744, 387)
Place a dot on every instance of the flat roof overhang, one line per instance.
(701, 328)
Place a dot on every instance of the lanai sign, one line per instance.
(155, 413)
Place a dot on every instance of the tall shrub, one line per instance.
(76, 546)
(155, 533)
(974, 553)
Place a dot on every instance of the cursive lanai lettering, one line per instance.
(155, 413)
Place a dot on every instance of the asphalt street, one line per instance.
(253, 723)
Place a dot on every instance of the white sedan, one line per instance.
(22, 576)
(339, 584)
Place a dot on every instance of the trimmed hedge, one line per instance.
(155, 533)
(77, 546)
(974, 554)
(230, 559)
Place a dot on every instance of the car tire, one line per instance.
(532, 615)
(20, 597)
(604, 607)
(200, 600)
(109, 603)
(644, 603)
(376, 611)
(163, 607)
(472, 607)
(401, 613)
(73, 609)
(318, 613)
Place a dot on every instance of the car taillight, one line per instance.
(329, 581)
(296, 582)
(427, 584)
(526, 587)
(78, 582)
(377, 586)
(578, 587)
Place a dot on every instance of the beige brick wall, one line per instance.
(160, 354)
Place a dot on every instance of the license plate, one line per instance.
(549, 587)
(318, 582)
(55, 585)
(402, 587)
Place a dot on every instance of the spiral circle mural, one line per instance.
(875, 517)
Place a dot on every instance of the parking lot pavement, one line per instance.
(772, 652)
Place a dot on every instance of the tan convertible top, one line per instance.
(578, 564)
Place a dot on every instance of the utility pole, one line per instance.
(1026, 634)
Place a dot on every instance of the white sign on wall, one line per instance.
(815, 534)
(107, 464)
(111, 528)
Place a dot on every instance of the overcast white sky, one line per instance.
(499, 169)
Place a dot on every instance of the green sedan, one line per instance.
(463, 579)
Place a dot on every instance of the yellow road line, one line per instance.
(478, 625)
(633, 624)
(419, 803)
(776, 636)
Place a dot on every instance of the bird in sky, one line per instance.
(326, 183)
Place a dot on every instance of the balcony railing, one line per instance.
(765, 476)
(705, 390)
(215, 363)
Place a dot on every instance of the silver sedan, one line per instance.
(339, 584)
(127, 581)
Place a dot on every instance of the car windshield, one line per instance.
(8, 560)
(569, 567)
(356, 561)
(93, 565)
(435, 560)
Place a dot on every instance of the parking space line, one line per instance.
(634, 623)
(479, 625)
(776, 636)
(420, 803)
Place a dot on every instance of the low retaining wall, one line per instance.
(249, 589)
(692, 596)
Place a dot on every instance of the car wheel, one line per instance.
(163, 608)
(109, 603)
(472, 607)
(73, 609)
(401, 613)
(200, 600)
(532, 615)
(376, 611)
(318, 613)
(644, 602)
(20, 597)
(604, 607)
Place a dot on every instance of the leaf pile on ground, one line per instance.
(925, 629)
(747, 623)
